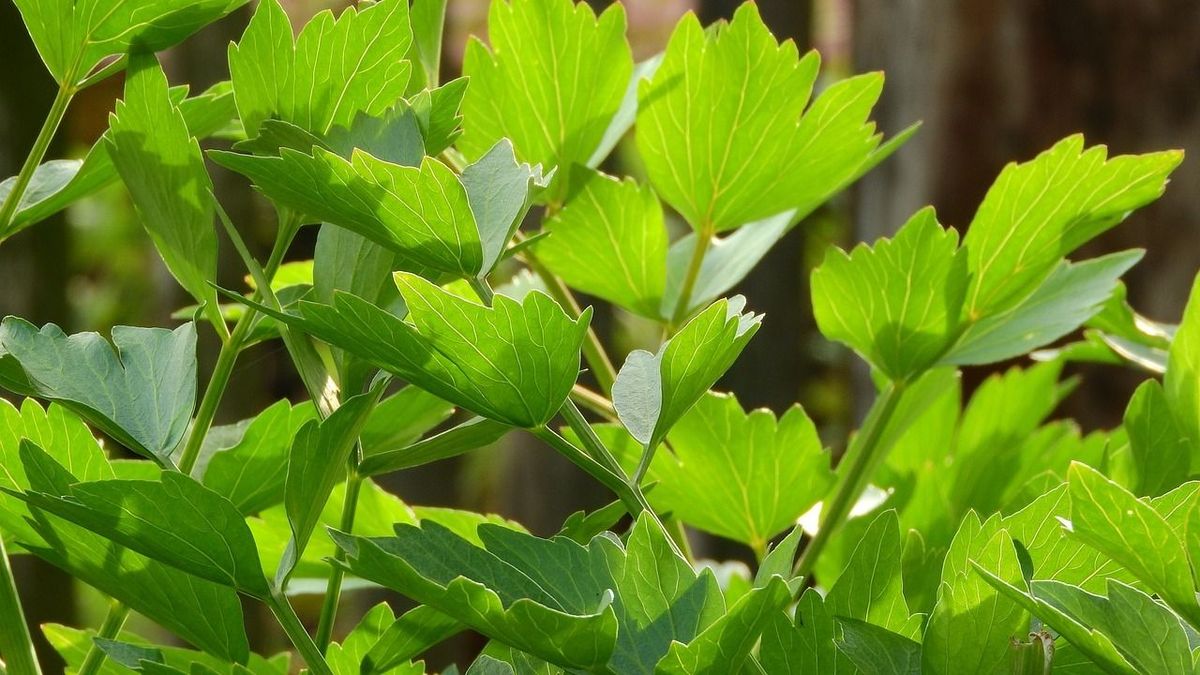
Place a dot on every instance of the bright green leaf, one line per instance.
(1037, 212)
(551, 81)
(897, 304)
(874, 649)
(1160, 450)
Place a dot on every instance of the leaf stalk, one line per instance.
(282, 609)
(109, 630)
(54, 118)
(16, 644)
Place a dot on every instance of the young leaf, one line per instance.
(142, 394)
(513, 362)
(551, 81)
(871, 587)
(73, 38)
(174, 520)
(73, 646)
(1111, 520)
(1071, 295)
(896, 304)
(408, 636)
(874, 649)
(610, 241)
(476, 432)
(420, 213)
(251, 472)
(438, 115)
(803, 643)
(402, 419)
(205, 614)
(653, 391)
(334, 69)
(740, 475)
(1037, 212)
(428, 18)
(1159, 448)
(161, 164)
(317, 463)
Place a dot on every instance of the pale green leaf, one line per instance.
(1160, 450)
(142, 394)
(500, 190)
(476, 432)
(653, 391)
(1063, 302)
(874, 649)
(1182, 379)
(251, 471)
(408, 636)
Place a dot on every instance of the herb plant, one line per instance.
(950, 536)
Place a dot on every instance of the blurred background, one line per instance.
(992, 82)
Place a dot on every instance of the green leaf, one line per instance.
(174, 520)
(420, 213)
(161, 164)
(63, 436)
(1037, 212)
(491, 595)
(349, 656)
(1071, 295)
(476, 432)
(610, 241)
(972, 623)
(331, 71)
(653, 391)
(59, 183)
(428, 18)
(318, 461)
(1160, 450)
(803, 644)
(73, 38)
(551, 82)
(874, 649)
(408, 636)
(1111, 520)
(402, 419)
(500, 191)
(205, 614)
(737, 474)
(720, 125)
(251, 471)
(142, 394)
(871, 587)
(1182, 379)
(724, 646)
(438, 114)
(513, 362)
(73, 644)
(896, 304)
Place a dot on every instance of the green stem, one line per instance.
(333, 589)
(109, 630)
(16, 645)
(226, 359)
(57, 110)
(860, 459)
(593, 350)
(483, 290)
(287, 618)
(703, 241)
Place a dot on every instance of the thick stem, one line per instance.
(703, 240)
(862, 456)
(333, 589)
(109, 630)
(57, 110)
(16, 645)
(287, 618)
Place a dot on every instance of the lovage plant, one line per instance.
(456, 224)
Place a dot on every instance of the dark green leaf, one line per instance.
(874, 649)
